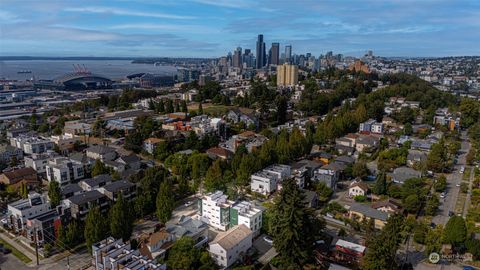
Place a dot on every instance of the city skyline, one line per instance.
(179, 28)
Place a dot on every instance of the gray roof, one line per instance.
(71, 188)
(118, 185)
(402, 174)
(345, 159)
(86, 197)
(186, 226)
(368, 211)
(335, 166)
(97, 180)
(100, 149)
(129, 159)
(82, 158)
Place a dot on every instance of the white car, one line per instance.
(462, 169)
(457, 185)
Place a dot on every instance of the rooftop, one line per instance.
(232, 237)
(86, 197)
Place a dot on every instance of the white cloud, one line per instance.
(225, 3)
(126, 12)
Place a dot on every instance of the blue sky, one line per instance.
(211, 28)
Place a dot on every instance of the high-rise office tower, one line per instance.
(274, 54)
(288, 53)
(287, 75)
(237, 58)
(260, 56)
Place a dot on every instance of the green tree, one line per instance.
(432, 205)
(183, 254)
(54, 193)
(324, 193)
(99, 168)
(200, 108)
(96, 227)
(441, 184)
(382, 248)
(360, 169)
(214, 177)
(380, 187)
(412, 203)
(293, 226)
(433, 240)
(121, 219)
(437, 158)
(281, 109)
(455, 231)
(165, 203)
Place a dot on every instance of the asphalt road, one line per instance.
(453, 179)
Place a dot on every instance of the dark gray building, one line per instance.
(261, 55)
(275, 54)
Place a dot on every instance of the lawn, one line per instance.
(16, 252)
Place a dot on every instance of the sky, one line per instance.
(212, 28)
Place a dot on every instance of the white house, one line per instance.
(357, 188)
(230, 247)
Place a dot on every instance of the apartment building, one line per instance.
(266, 181)
(248, 214)
(39, 162)
(231, 246)
(113, 254)
(22, 210)
(215, 210)
(64, 171)
(32, 144)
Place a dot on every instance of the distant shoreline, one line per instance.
(133, 59)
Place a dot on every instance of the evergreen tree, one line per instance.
(54, 193)
(382, 248)
(177, 107)
(165, 203)
(184, 106)
(214, 177)
(169, 107)
(161, 106)
(293, 227)
(281, 110)
(99, 168)
(381, 187)
(96, 227)
(200, 108)
(121, 219)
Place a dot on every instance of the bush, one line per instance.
(360, 198)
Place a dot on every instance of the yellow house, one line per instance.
(362, 212)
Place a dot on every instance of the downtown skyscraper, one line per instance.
(274, 56)
(260, 53)
(288, 53)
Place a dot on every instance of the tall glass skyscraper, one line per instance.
(261, 56)
(288, 53)
(274, 54)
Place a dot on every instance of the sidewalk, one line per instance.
(5, 237)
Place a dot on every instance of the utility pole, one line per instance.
(36, 244)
